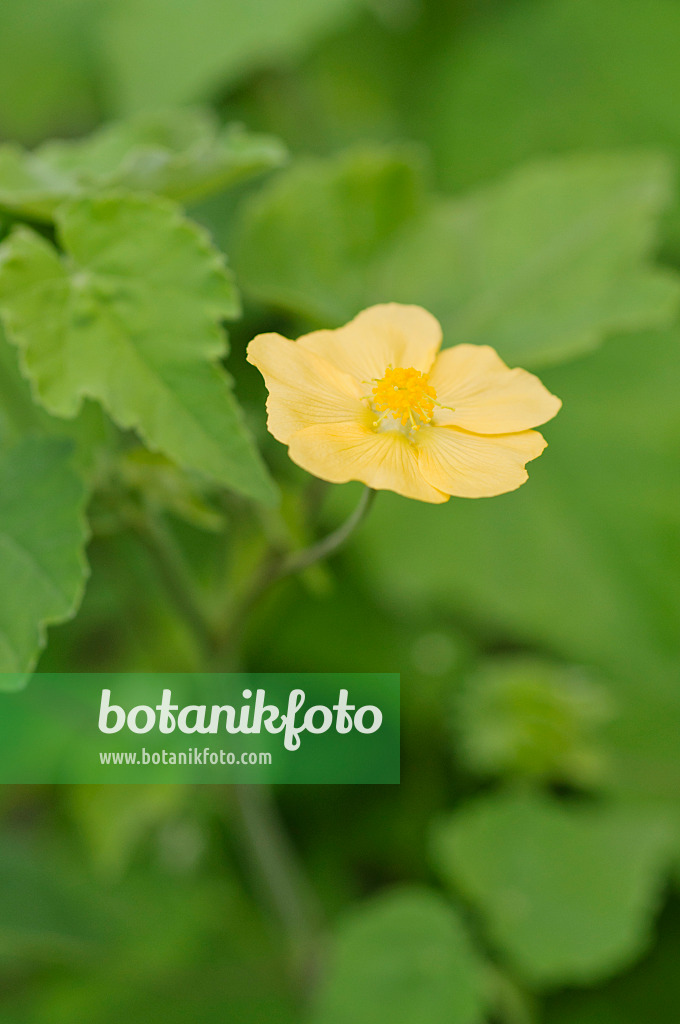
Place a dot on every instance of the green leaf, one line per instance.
(19, 414)
(310, 240)
(182, 154)
(567, 891)
(649, 993)
(403, 957)
(42, 542)
(163, 52)
(91, 431)
(130, 316)
(541, 266)
(545, 264)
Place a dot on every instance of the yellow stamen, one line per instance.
(406, 394)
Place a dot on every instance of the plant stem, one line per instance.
(298, 561)
(280, 874)
(272, 856)
(178, 580)
(275, 567)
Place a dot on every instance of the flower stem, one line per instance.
(298, 561)
(275, 567)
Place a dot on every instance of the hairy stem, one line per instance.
(298, 561)
(275, 567)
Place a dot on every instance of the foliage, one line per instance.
(37, 486)
(566, 892)
(406, 956)
(539, 267)
(511, 167)
(180, 154)
(130, 316)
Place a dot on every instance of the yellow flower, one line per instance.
(374, 401)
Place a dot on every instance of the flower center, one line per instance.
(406, 395)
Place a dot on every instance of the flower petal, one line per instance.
(381, 336)
(352, 451)
(476, 465)
(303, 389)
(485, 395)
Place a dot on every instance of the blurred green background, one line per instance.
(526, 870)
